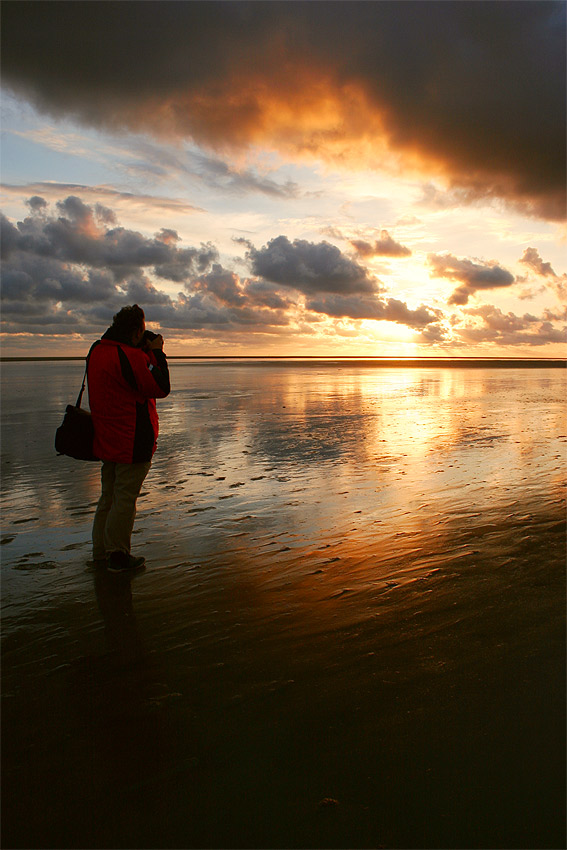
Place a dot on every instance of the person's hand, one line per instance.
(157, 342)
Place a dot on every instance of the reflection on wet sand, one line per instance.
(114, 598)
(350, 631)
(120, 701)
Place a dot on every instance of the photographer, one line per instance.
(127, 371)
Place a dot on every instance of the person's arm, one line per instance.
(160, 370)
(150, 379)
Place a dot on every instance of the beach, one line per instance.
(351, 627)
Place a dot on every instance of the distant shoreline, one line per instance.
(392, 362)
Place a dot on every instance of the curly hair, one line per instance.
(127, 321)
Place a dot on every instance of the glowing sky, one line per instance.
(333, 178)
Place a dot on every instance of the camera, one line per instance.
(148, 336)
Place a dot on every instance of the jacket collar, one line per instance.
(111, 335)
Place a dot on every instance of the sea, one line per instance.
(350, 631)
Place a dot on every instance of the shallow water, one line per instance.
(350, 631)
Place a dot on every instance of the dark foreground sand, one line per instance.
(350, 632)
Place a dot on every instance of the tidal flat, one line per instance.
(350, 632)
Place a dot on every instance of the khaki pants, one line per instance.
(116, 509)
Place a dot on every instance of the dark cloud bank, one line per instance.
(67, 269)
(476, 88)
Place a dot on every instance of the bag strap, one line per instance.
(80, 396)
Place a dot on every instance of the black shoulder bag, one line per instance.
(75, 435)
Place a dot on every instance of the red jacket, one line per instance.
(123, 384)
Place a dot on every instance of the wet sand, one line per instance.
(350, 631)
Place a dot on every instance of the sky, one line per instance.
(286, 178)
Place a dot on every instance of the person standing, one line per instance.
(127, 371)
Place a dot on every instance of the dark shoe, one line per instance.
(121, 562)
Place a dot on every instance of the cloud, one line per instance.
(69, 266)
(559, 286)
(527, 293)
(37, 204)
(158, 162)
(367, 307)
(219, 303)
(435, 334)
(472, 275)
(555, 315)
(265, 294)
(532, 259)
(508, 329)
(309, 267)
(140, 290)
(69, 269)
(220, 175)
(383, 247)
(223, 284)
(557, 283)
(80, 235)
(474, 92)
(97, 194)
(470, 191)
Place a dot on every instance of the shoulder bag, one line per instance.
(75, 435)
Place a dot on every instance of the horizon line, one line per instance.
(354, 359)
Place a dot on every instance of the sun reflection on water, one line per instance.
(308, 456)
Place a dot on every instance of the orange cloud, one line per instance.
(471, 92)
